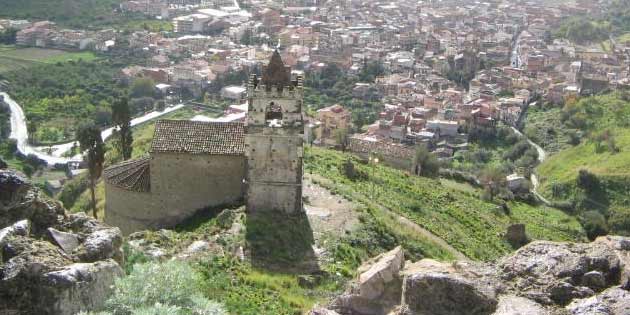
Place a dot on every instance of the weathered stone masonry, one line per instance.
(195, 165)
(274, 141)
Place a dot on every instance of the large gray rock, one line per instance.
(556, 273)
(614, 301)
(516, 235)
(20, 201)
(375, 276)
(540, 278)
(66, 241)
(22, 228)
(515, 305)
(13, 188)
(79, 287)
(100, 245)
(51, 262)
(322, 311)
(621, 246)
(379, 286)
(435, 288)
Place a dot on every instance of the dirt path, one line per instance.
(402, 220)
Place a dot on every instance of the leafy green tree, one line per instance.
(121, 115)
(143, 87)
(493, 179)
(160, 105)
(342, 137)
(91, 142)
(8, 37)
(426, 163)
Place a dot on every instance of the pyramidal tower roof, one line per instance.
(276, 73)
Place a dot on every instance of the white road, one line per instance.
(542, 155)
(54, 154)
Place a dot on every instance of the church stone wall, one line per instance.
(181, 184)
(129, 210)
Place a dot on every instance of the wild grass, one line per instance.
(459, 217)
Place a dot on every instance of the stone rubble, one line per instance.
(51, 261)
(541, 278)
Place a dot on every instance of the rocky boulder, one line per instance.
(556, 273)
(516, 305)
(436, 288)
(621, 246)
(378, 288)
(614, 301)
(541, 278)
(52, 262)
(516, 235)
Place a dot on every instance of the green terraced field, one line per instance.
(13, 58)
(455, 214)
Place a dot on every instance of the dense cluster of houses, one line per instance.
(448, 65)
(46, 34)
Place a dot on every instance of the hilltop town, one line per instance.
(315, 157)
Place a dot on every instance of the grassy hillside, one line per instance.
(458, 216)
(603, 156)
(18, 59)
(545, 127)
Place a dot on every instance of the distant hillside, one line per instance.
(72, 13)
(593, 177)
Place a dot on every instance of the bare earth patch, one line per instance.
(328, 214)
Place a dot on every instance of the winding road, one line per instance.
(55, 154)
(542, 156)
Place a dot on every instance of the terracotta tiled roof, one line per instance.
(195, 137)
(133, 175)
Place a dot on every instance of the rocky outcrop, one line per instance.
(52, 262)
(431, 287)
(378, 288)
(541, 278)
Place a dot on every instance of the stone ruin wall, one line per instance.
(181, 184)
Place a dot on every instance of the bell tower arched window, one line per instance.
(273, 111)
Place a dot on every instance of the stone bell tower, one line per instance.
(274, 140)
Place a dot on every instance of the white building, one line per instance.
(233, 92)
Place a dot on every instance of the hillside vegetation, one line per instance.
(593, 177)
(460, 217)
(72, 13)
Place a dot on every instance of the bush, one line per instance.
(152, 288)
(587, 181)
(594, 224)
(619, 221)
(427, 163)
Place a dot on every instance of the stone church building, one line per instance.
(196, 165)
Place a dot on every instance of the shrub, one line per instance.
(427, 162)
(587, 180)
(154, 287)
(619, 221)
(594, 224)
(351, 172)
